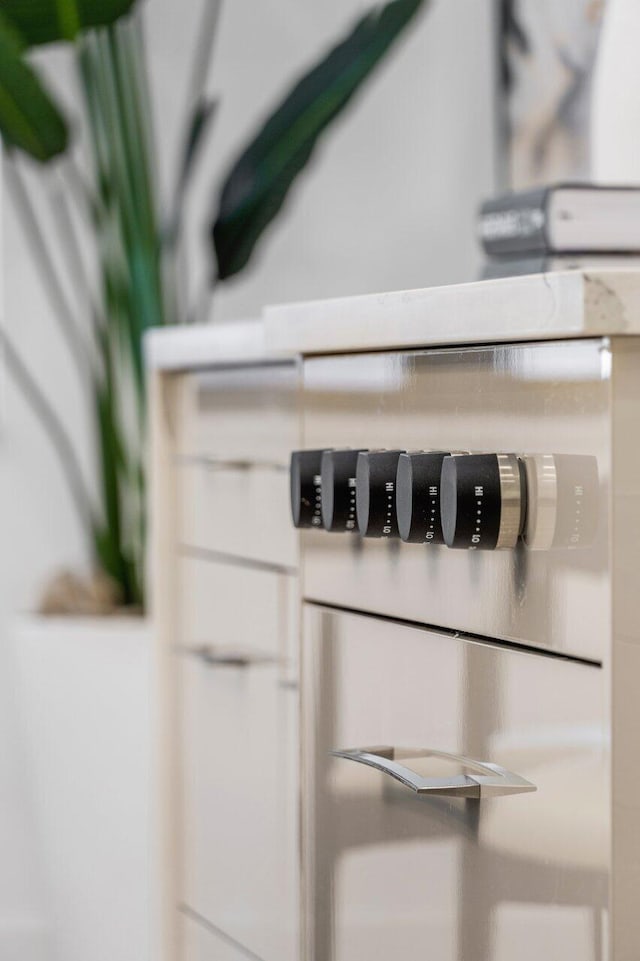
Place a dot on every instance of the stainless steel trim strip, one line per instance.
(500, 644)
(511, 494)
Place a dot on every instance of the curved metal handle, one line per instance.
(484, 779)
(229, 657)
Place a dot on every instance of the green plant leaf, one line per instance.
(198, 126)
(259, 181)
(29, 117)
(47, 21)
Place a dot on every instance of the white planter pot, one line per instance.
(84, 690)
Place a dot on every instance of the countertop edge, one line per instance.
(207, 345)
(532, 307)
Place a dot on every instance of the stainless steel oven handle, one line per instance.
(487, 780)
(223, 657)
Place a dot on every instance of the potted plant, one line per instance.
(84, 674)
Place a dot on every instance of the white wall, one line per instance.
(389, 203)
(391, 197)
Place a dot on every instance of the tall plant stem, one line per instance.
(70, 246)
(75, 340)
(200, 113)
(132, 290)
(54, 429)
(205, 42)
(199, 314)
(78, 188)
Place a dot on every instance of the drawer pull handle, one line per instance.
(226, 657)
(483, 780)
(232, 464)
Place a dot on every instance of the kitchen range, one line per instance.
(444, 486)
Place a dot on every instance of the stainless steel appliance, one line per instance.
(468, 522)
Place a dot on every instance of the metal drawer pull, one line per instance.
(218, 463)
(486, 780)
(232, 464)
(228, 657)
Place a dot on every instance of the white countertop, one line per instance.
(534, 307)
(206, 345)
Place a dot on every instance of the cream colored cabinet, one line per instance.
(229, 606)
(237, 508)
(227, 612)
(239, 771)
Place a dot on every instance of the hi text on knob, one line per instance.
(418, 496)
(306, 507)
(482, 501)
(338, 482)
(376, 476)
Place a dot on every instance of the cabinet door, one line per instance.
(240, 819)
(445, 874)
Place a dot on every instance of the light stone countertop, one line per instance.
(206, 345)
(535, 307)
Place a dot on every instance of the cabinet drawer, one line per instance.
(240, 789)
(390, 871)
(248, 413)
(231, 607)
(243, 511)
(200, 943)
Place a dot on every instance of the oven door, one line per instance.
(455, 797)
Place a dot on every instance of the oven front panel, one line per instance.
(533, 399)
(391, 873)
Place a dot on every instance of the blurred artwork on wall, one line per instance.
(548, 52)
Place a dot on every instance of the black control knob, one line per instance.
(376, 493)
(338, 481)
(418, 497)
(306, 508)
(482, 501)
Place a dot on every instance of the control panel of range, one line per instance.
(470, 501)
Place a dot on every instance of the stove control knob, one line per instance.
(482, 501)
(376, 493)
(418, 497)
(562, 501)
(306, 488)
(338, 482)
